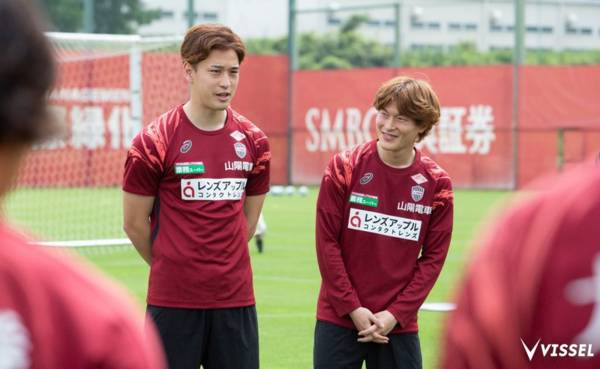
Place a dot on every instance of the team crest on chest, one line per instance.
(417, 192)
(240, 150)
(185, 146)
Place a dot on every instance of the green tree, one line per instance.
(345, 48)
(110, 16)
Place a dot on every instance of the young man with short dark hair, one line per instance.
(194, 185)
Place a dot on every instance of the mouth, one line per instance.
(385, 136)
(223, 96)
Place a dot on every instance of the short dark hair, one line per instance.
(201, 39)
(414, 98)
(26, 74)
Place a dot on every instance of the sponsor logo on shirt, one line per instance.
(196, 167)
(239, 165)
(384, 224)
(366, 178)
(213, 189)
(237, 135)
(240, 149)
(417, 192)
(411, 207)
(185, 146)
(15, 341)
(367, 200)
(419, 178)
(559, 350)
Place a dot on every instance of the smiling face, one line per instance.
(214, 80)
(405, 106)
(396, 132)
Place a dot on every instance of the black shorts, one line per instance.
(213, 338)
(337, 348)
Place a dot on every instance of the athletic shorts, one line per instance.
(337, 348)
(213, 338)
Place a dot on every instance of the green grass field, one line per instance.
(286, 276)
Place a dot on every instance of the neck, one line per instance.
(397, 159)
(203, 118)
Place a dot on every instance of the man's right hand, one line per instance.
(365, 320)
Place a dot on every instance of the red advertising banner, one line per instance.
(560, 97)
(101, 110)
(332, 112)
(559, 117)
(93, 99)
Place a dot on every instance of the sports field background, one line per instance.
(286, 276)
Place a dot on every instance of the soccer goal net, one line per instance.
(68, 192)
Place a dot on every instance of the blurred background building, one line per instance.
(489, 24)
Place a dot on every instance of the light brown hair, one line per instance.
(201, 39)
(414, 99)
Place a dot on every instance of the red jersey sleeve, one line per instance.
(527, 280)
(330, 206)
(433, 255)
(144, 164)
(258, 181)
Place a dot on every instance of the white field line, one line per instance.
(431, 306)
(86, 243)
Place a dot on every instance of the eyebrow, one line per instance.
(219, 66)
(401, 116)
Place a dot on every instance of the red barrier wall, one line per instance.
(331, 112)
(93, 98)
(554, 98)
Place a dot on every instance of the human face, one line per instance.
(396, 132)
(214, 81)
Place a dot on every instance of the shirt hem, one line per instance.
(191, 305)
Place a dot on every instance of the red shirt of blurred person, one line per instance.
(54, 315)
(534, 285)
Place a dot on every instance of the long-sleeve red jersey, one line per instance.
(382, 235)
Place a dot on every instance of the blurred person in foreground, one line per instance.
(53, 314)
(194, 185)
(384, 223)
(531, 296)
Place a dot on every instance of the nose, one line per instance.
(225, 81)
(387, 123)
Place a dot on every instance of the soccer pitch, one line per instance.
(286, 276)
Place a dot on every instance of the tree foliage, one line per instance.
(347, 48)
(110, 16)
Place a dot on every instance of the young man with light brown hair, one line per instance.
(194, 185)
(384, 223)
